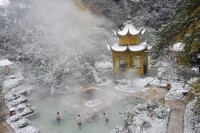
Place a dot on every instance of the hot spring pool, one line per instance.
(47, 108)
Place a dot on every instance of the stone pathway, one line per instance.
(176, 119)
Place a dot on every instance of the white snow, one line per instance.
(176, 91)
(5, 62)
(191, 121)
(150, 117)
(21, 99)
(15, 118)
(28, 129)
(139, 47)
(21, 125)
(192, 80)
(104, 65)
(23, 89)
(26, 111)
(178, 47)
(137, 84)
(12, 81)
(108, 47)
(120, 48)
(15, 101)
(10, 96)
(129, 28)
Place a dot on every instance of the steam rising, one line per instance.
(65, 37)
(71, 29)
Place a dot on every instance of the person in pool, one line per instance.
(78, 119)
(58, 117)
(106, 117)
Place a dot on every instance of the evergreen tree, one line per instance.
(196, 88)
(186, 29)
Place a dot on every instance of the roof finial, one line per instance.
(127, 5)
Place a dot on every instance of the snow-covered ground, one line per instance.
(140, 84)
(134, 85)
(14, 99)
(149, 117)
(12, 81)
(176, 91)
(191, 121)
(105, 65)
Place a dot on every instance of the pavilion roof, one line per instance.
(4, 2)
(133, 48)
(5, 62)
(129, 29)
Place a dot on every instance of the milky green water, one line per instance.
(47, 121)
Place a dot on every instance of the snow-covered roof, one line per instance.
(5, 62)
(178, 47)
(139, 47)
(4, 2)
(130, 29)
(133, 48)
(119, 48)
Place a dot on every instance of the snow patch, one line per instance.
(134, 85)
(178, 47)
(103, 65)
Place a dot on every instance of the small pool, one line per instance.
(47, 107)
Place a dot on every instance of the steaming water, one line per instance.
(48, 107)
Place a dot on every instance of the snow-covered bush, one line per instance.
(147, 117)
(51, 52)
(196, 89)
